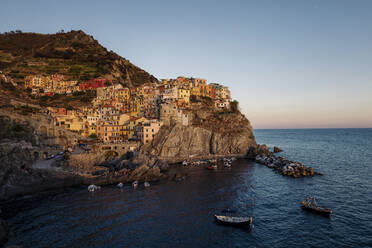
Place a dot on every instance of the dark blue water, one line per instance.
(179, 214)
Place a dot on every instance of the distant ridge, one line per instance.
(74, 54)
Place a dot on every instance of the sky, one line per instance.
(289, 63)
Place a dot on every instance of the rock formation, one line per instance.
(24, 140)
(178, 143)
(277, 149)
(210, 133)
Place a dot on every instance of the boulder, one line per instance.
(277, 149)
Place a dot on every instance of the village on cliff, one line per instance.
(121, 118)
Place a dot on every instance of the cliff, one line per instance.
(24, 139)
(211, 133)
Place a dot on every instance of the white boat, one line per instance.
(227, 164)
(185, 163)
(233, 221)
(92, 188)
(146, 184)
(135, 184)
(120, 185)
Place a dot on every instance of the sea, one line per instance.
(180, 214)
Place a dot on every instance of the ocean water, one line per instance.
(180, 214)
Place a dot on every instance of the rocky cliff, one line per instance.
(25, 139)
(210, 133)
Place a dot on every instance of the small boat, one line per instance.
(146, 184)
(120, 185)
(233, 221)
(227, 164)
(185, 163)
(310, 205)
(214, 166)
(135, 184)
(92, 188)
(209, 167)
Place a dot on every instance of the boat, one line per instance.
(92, 188)
(310, 205)
(227, 164)
(135, 184)
(233, 221)
(146, 184)
(214, 166)
(120, 185)
(209, 167)
(185, 163)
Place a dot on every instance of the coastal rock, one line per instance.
(277, 149)
(255, 150)
(178, 143)
(286, 167)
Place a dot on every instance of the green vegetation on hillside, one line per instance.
(74, 54)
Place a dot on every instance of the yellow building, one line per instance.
(195, 91)
(183, 97)
(122, 95)
(75, 124)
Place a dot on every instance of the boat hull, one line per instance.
(324, 212)
(244, 224)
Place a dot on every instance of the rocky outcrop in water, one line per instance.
(286, 167)
(277, 149)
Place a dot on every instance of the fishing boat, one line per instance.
(146, 184)
(310, 205)
(233, 221)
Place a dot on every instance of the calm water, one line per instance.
(179, 214)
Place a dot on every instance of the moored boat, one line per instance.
(227, 164)
(310, 205)
(135, 184)
(92, 188)
(234, 221)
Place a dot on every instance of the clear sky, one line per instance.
(290, 64)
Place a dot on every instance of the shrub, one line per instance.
(93, 136)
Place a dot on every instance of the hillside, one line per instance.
(74, 54)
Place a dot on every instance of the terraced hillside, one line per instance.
(74, 54)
